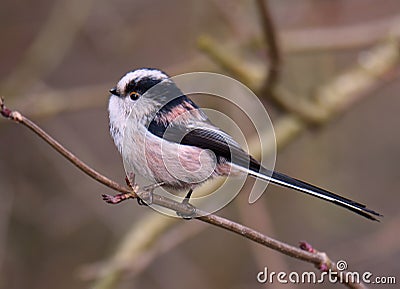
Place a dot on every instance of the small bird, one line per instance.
(165, 137)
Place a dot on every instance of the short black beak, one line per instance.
(114, 91)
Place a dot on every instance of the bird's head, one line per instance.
(137, 82)
(141, 92)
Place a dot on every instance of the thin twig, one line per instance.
(319, 259)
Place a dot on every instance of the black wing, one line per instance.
(220, 143)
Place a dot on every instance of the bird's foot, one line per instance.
(146, 196)
(189, 207)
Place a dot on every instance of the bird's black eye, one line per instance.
(134, 95)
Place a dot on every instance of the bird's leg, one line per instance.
(130, 180)
(187, 197)
(185, 202)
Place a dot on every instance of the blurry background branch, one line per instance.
(48, 49)
(270, 38)
(371, 66)
(49, 102)
(339, 38)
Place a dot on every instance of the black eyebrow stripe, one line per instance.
(142, 85)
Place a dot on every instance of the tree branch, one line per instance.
(272, 44)
(319, 259)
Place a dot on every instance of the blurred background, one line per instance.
(58, 60)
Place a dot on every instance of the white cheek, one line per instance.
(118, 114)
(116, 109)
(113, 105)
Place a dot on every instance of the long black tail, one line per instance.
(292, 183)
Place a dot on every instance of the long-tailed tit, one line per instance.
(167, 138)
